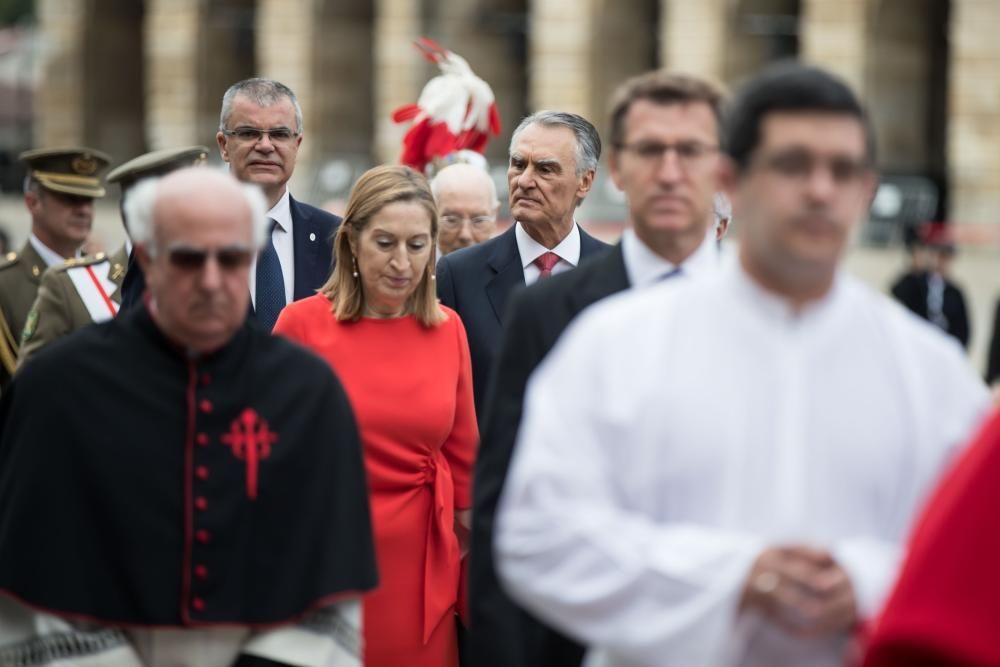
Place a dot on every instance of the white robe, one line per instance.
(676, 432)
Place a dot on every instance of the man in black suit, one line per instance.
(553, 160)
(260, 131)
(927, 289)
(665, 144)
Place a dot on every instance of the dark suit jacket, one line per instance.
(476, 282)
(993, 364)
(502, 634)
(911, 290)
(312, 239)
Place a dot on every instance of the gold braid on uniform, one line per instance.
(8, 346)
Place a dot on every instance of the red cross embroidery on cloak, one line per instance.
(251, 440)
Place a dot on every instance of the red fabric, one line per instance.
(411, 390)
(945, 609)
(545, 262)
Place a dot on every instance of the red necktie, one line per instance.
(545, 262)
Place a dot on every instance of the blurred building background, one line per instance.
(127, 76)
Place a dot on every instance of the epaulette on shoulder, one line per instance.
(86, 260)
(10, 259)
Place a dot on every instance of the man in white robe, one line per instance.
(729, 480)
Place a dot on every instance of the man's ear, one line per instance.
(586, 183)
(143, 257)
(220, 139)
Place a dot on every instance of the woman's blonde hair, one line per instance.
(377, 188)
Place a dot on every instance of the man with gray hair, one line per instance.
(260, 131)
(664, 154)
(467, 206)
(197, 517)
(553, 161)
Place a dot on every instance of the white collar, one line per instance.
(568, 249)
(48, 255)
(281, 212)
(645, 267)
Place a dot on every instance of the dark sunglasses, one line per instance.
(193, 259)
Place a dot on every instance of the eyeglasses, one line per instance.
(457, 220)
(229, 258)
(278, 135)
(688, 152)
(799, 165)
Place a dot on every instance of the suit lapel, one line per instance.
(305, 249)
(505, 262)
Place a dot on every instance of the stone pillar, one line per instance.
(494, 54)
(172, 41)
(693, 36)
(833, 35)
(60, 99)
(973, 130)
(285, 41)
(560, 43)
(400, 72)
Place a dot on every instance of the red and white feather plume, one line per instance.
(456, 111)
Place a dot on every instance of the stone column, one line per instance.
(693, 36)
(560, 45)
(400, 72)
(974, 110)
(833, 35)
(172, 67)
(285, 42)
(60, 100)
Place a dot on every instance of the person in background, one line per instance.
(467, 201)
(87, 290)
(404, 362)
(59, 192)
(664, 156)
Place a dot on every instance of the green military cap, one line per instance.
(74, 171)
(157, 163)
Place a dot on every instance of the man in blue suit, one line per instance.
(260, 131)
(553, 161)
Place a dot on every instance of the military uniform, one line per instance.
(20, 275)
(72, 171)
(71, 296)
(88, 290)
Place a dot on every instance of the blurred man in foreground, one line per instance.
(200, 516)
(730, 480)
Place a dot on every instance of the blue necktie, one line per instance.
(270, 283)
(673, 273)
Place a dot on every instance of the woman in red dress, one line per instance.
(404, 362)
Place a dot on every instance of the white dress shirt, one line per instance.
(714, 423)
(529, 249)
(48, 255)
(645, 267)
(284, 245)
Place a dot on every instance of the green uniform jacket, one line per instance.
(20, 274)
(59, 309)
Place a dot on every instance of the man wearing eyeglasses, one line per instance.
(196, 516)
(260, 131)
(664, 156)
(731, 480)
(467, 206)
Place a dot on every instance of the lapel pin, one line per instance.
(312, 236)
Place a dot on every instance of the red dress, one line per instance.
(411, 390)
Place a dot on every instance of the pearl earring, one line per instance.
(354, 261)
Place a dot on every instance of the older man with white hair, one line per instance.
(197, 516)
(467, 206)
